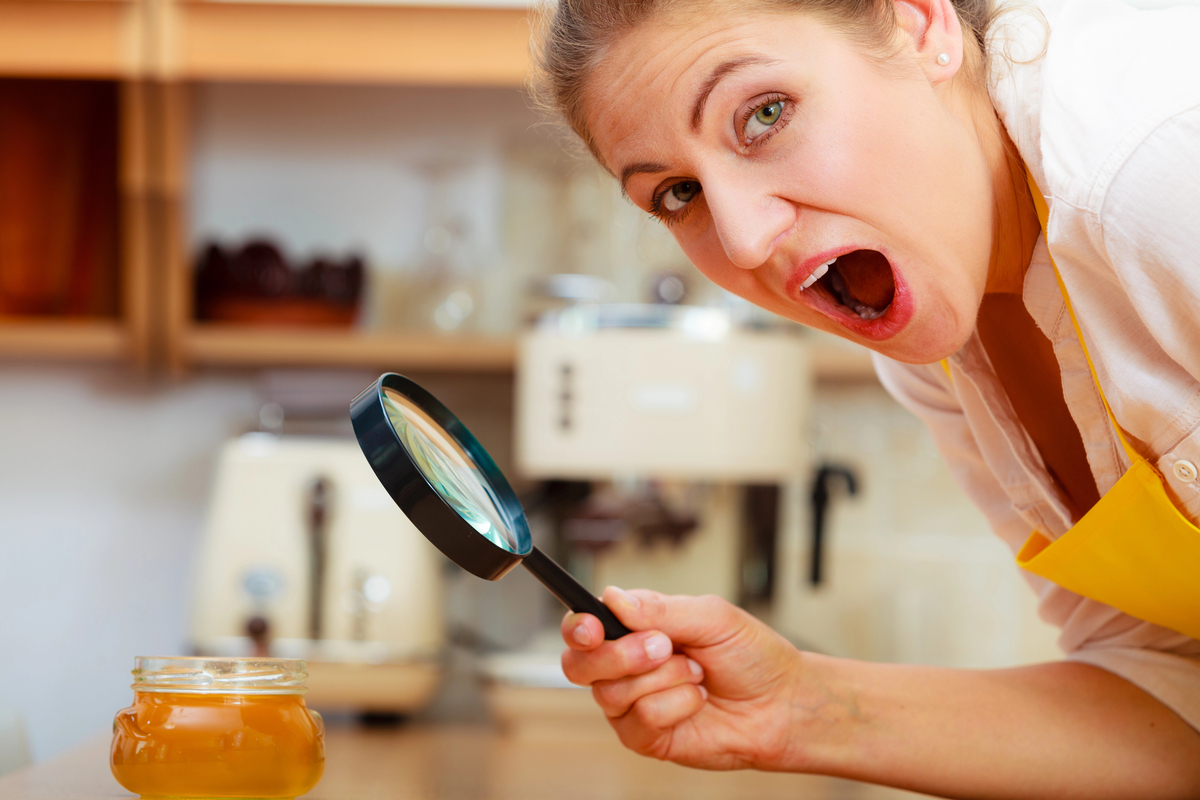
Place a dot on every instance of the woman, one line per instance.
(860, 166)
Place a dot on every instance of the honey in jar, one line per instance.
(218, 728)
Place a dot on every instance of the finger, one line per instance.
(692, 621)
(582, 631)
(651, 716)
(617, 697)
(630, 655)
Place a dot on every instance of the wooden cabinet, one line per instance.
(74, 278)
(190, 343)
(360, 43)
(99, 40)
(155, 51)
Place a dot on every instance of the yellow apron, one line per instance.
(1133, 550)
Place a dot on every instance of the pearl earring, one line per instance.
(943, 59)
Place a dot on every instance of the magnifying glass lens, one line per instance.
(453, 492)
(450, 470)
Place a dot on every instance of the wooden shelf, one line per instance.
(227, 345)
(71, 38)
(67, 340)
(370, 43)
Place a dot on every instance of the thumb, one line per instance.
(702, 621)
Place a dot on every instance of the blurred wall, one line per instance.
(913, 572)
(340, 168)
(103, 485)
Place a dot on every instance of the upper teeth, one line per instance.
(816, 274)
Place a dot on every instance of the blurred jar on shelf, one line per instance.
(449, 285)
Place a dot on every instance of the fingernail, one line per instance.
(628, 598)
(695, 667)
(657, 647)
(582, 635)
(703, 692)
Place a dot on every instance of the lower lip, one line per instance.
(879, 329)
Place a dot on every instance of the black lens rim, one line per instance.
(416, 497)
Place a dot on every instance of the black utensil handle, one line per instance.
(572, 594)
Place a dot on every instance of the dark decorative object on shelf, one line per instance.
(257, 285)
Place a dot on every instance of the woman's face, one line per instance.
(771, 147)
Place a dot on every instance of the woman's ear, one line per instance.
(936, 33)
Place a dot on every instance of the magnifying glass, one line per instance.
(453, 492)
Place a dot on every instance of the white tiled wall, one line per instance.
(913, 571)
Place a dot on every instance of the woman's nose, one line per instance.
(748, 222)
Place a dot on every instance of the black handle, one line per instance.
(571, 592)
(820, 501)
(319, 495)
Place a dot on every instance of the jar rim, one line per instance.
(200, 675)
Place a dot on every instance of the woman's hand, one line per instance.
(1063, 730)
(699, 682)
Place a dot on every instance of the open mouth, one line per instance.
(861, 282)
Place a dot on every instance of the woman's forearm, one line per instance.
(1059, 730)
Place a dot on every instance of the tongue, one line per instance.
(868, 277)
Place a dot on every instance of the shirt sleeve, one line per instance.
(1149, 224)
(1150, 228)
(1162, 663)
(927, 392)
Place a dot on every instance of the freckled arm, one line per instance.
(1061, 730)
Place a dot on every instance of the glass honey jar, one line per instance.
(218, 728)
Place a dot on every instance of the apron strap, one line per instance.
(1039, 201)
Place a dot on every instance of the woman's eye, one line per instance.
(762, 120)
(680, 195)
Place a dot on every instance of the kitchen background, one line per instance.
(223, 219)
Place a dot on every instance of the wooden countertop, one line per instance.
(469, 762)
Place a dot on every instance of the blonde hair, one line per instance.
(573, 36)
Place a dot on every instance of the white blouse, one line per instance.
(1108, 121)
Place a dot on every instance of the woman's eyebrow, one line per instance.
(640, 168)
(722, 70)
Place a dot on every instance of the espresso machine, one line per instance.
(305, 555)
(678, 416)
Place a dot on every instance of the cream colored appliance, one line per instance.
(305, 555)
(669, 391)
(680, 396)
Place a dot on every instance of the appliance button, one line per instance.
(1185, 471)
